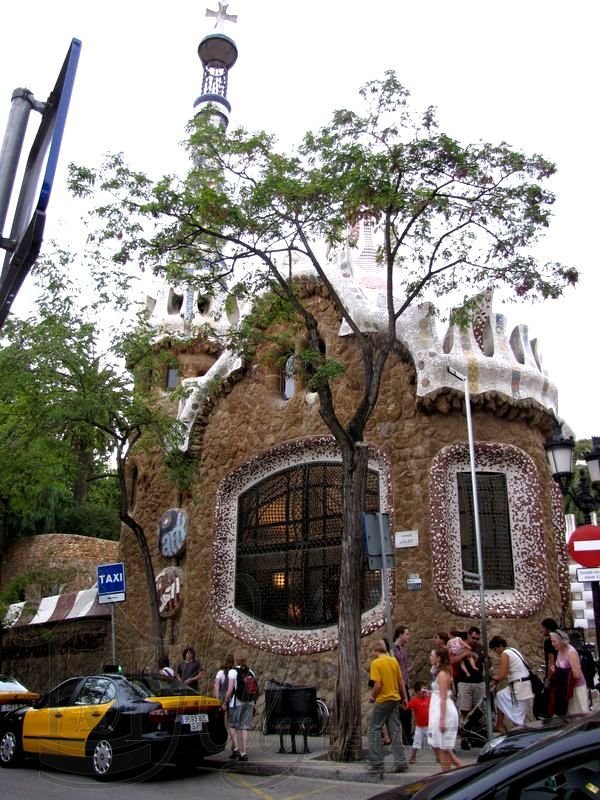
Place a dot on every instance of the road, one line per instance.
(34, 782)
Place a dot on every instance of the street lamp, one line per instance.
(479, 550)
(560, 450)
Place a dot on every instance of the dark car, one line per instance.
(564, 764)
(521, 737)
(14, 695)
(110, 725)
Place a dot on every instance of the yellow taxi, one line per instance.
(109, 725)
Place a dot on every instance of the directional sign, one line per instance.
(376, 528)
(584, 545)
(588, 574)
(111, 583)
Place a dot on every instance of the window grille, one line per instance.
(494, 524)
(289, 543)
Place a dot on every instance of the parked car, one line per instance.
(14, 695)
(564, 764)
(521, 737)
(110, 725)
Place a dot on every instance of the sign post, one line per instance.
(584, 548)
(380, 555)
(111, 589)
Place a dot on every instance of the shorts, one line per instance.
(419, 738)
(240, 717)
(469, 695)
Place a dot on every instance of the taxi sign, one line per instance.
(111, 582)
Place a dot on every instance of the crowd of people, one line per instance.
(458, 689)
(409, 716)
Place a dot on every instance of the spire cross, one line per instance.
(221, 16)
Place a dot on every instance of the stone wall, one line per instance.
(83, 553)
(248, 418)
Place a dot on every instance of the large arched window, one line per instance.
(277, 547)
(511, 526)
(288, 547)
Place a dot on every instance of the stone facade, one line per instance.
(42, 655)
(82, 553)
(248, 419)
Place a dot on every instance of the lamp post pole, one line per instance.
(560, 450)
(479, 552)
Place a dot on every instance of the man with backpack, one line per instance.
(242, 691)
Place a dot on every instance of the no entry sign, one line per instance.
(584, 545)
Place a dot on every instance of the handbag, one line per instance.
(537, 684)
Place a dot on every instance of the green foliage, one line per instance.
(182, 470)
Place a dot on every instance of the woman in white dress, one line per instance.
(515, 701)
(443, 716)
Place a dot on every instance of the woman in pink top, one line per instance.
(567, 677)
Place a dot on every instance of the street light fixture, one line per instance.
(560, 451)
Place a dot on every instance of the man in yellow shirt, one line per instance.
(387, 690)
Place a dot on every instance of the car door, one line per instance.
(91, 702)
(42, 724)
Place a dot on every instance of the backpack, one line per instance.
(588, 667)
(246, 685)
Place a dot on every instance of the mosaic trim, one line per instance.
(525, 510)
(562, 550)
(259, 634)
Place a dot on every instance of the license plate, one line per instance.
(10, 706)
(195, 721)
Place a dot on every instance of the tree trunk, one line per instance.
(140, 536)
(84, 459)
(346, 738)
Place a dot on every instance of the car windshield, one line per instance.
(8, 684)
(161, 686)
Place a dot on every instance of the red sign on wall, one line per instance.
(584, 545)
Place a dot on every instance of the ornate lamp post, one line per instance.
(560, 450)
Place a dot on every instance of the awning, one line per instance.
(58, 608)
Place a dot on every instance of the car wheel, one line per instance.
(10, 749)
(103, 760)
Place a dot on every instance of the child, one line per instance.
(456, 647)
(419, 704)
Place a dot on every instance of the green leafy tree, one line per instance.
(452, 217)
(78, 411)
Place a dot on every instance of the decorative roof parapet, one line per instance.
(508, 366)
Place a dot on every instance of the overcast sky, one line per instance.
(521, 71)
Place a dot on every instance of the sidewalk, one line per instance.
(265, 759)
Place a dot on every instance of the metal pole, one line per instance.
(22, 102)
(112, 631)
(479, 551)
(386, 589)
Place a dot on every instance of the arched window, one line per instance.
(511, 526)
(494, 525)
(288, 378)
(289, 547)
(277, 547)
(172, 378)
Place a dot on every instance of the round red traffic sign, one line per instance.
(584, 545)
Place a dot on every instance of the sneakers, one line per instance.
(235, 754)
(243, 757)
(399, 769)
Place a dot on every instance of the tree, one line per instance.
(452, 217)
(77, 411)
